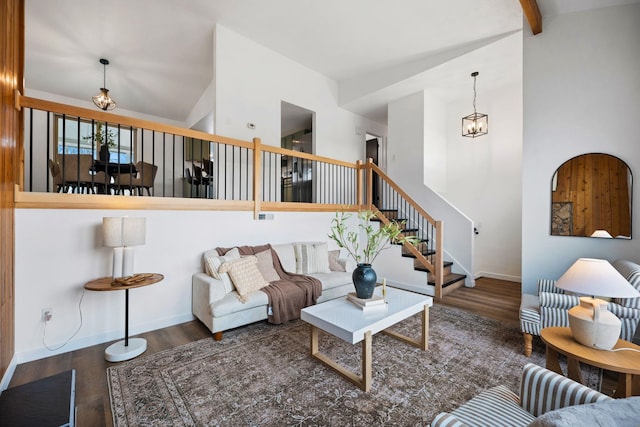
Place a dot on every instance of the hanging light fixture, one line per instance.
(476, 124)
(103, 101)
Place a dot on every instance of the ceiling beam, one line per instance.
(531, 11)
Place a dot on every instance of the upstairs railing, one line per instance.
(66, 165)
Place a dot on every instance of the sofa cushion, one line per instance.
(213, 261)
(617, 412)
(497, 406)
(333, 279)
(312, 258)
(245, 275)
(230, 304)
(287, 256)
(265, 265)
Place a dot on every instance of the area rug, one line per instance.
(262, 375)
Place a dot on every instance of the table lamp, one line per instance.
(120, 233)
(591, 323)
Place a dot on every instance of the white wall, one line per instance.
(484, 179)
(406, 151)
(581, 92)
(251, 82)
(59, 250)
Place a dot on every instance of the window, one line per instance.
(79, 136)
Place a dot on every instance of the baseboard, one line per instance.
(41, 353)
(498, 276)
(8, 374)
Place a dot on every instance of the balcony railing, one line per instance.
(66, 165)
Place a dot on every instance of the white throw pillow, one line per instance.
(245, 275)
(287, 256)
(312, 258)
(212, 263)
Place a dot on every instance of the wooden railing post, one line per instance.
(369, 183)
(359, 192)
(257, 177)
(439, 264)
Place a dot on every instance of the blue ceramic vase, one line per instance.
(364, 279)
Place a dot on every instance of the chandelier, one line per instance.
(103, 101)
(476, 124)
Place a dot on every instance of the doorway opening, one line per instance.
(296, 128)
(372, 151)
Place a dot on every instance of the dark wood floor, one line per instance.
(492, 298)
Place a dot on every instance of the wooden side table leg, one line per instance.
(552, 361)
(573, 370)
(624, 386)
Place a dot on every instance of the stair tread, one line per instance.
(450, 279)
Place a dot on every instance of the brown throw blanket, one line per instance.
(288, 295)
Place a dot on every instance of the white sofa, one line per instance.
(220, 309)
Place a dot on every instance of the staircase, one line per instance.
(450, 280)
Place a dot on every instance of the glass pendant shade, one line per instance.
(102, 100)
(475, 124)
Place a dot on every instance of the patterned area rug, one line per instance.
(263, 375)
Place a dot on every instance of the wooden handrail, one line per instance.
(437, 267)
(308, 156)
(404, 195)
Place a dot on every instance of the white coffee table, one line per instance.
(344, 320)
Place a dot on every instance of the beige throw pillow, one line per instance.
(245, 276)
(265, 265)
(213, 261)
(334, 265)
(312, 258)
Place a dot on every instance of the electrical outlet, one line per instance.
(47, 314)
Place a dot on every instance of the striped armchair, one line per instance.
(541, 391)
(550, 306)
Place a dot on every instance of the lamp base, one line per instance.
(118, 352)
(593, 325)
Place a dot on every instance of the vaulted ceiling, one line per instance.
(161, 51)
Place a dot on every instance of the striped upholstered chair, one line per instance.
(550, 306)
(541, 391)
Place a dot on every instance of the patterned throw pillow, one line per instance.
(213, 261)
(245, 275)
(312, 258)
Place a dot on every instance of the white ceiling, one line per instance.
(161, 51)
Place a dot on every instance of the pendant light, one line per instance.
(476, 124)
(103, 101)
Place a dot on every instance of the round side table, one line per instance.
(129, 347)
(626, 363)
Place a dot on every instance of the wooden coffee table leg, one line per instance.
(363, 381)
(552, 361)
(423, 342)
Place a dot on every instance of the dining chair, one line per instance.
(146, 177)
(193, 182)
(54, 169)
(76, 174)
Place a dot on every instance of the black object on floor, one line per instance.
(46, 402)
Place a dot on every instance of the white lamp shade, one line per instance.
(603, 234)
(588, 276)
(123, 231)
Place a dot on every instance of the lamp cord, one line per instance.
(617, 349)
(44, 330)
